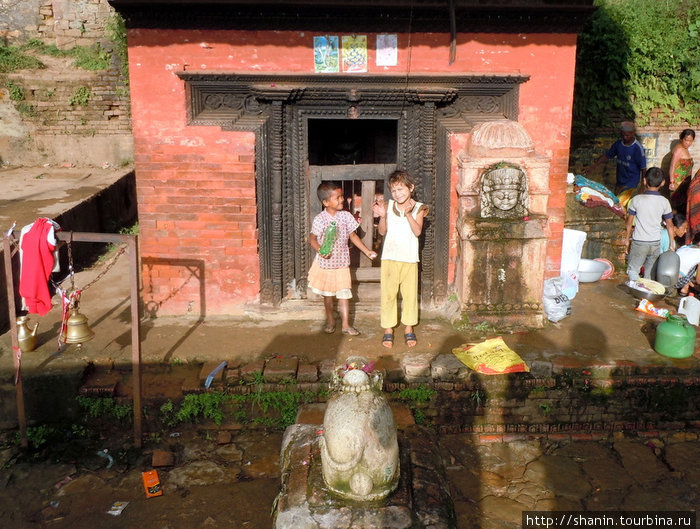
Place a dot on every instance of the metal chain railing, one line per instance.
(120, 250)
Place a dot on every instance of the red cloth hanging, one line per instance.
(37, 264)
(693, 208)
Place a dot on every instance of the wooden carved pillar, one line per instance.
(276, 156)
(428, 121)
(421, 122)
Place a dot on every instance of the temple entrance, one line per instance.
(356, 129)
(359, 154)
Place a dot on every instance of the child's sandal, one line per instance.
(411, 339)
(388, 340)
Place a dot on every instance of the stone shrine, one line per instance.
(502, 226)
(356, 471)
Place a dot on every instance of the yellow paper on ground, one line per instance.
(492, 357)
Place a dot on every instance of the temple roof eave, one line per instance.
(469, 16)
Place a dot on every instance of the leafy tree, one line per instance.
(636, 58)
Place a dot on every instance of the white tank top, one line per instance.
(400, 243)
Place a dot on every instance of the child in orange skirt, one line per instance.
(329, 275)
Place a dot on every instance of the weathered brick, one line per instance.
(251, 371)
(280, 368)
(307, 373)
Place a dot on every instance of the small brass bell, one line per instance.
(77, 329)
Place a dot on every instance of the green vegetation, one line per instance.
(86, 57)
(26, 109)
(116, 29)
(38, 436)
(95, 57)
(13, 59)
(132, 230)
(17, 96)
(81, 96)
(105, 408)
(417, 398)
(275, 409)
(636, 57)
(478, 397)
(15, 90)
(194, 405)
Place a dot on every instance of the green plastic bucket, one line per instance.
(675, 337)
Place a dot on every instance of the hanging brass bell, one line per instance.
(77, 329)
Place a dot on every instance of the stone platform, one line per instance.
(422, 498)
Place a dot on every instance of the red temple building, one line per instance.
(241, 108)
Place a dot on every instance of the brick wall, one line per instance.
(66, 23)
(554, 400)
(52, 113)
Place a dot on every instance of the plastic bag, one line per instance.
(571, 248)
(492, 357)
(557, 305)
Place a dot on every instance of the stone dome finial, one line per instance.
(502, 134)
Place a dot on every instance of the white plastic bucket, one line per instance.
(690, 306)
(571, 248)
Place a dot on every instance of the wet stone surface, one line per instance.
(233, 480)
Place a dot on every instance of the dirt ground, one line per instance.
(211, 484)
(604, 327)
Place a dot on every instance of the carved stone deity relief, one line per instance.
(504, 193)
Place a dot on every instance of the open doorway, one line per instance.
(359, 154)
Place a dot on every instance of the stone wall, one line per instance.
(66, 23)
(553, 400)
(605, 231)
(66, 115)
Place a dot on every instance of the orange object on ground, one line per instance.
(151, 483)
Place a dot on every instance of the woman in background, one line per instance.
(680, 170)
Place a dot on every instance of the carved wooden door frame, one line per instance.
(277, 109)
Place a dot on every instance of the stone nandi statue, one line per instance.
(359, 450)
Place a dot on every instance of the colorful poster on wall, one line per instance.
(326, 54)
(354, 53)
(387, 50)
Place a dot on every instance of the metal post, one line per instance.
(135, 336)
(16, 353)
(132, 245)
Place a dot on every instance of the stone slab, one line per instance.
(422, 498)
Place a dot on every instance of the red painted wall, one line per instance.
(196, 185)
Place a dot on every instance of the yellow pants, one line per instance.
(399, 277)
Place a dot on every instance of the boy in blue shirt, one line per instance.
(630, 158)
